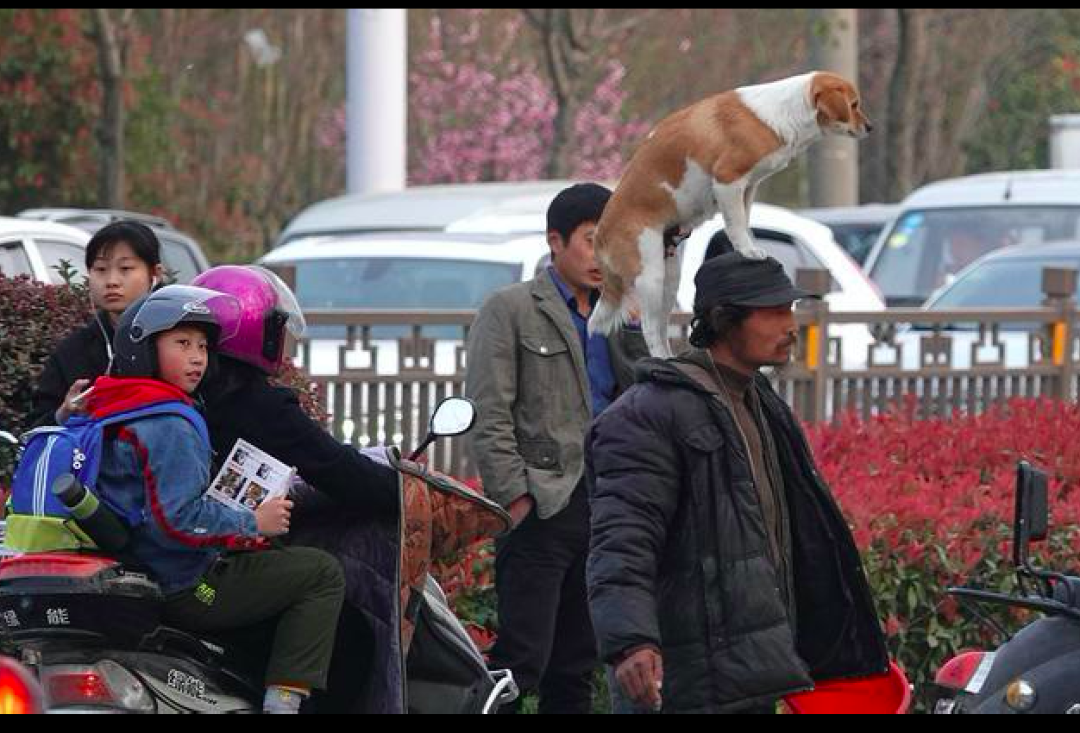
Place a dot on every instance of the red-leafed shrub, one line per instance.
(33, 318)
(931, 504)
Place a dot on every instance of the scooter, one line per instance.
(89, 629)
(1038, 670)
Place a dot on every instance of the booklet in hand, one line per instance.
(250, 477)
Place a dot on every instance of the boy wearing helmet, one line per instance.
(158, 468)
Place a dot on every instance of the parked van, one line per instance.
(945, 226)
(797, 242)
(418, 208)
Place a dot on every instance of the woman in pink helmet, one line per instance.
(241, 402)
(356, 506)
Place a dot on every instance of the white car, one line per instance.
(1006, 278)
(459, 268)
(182, 256)
(401, 271)
(37, 249)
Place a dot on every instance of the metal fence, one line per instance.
(387, 370)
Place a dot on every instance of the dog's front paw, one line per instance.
(755, 253)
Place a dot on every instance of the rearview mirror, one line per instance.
(453, 416)
(1032, 522)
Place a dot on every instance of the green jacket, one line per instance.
(527, 374)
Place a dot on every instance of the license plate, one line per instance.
(945, 707)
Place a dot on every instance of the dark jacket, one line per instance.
(240, 402)
(157, 468)
(679, 555)
(83, 354)
(355, 515)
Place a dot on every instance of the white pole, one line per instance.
(834, 161)
(1065, 141)
(376, 91)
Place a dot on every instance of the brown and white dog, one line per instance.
(706, 158)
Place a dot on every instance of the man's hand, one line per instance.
(641, 676)
(273, 517)
(520, 509)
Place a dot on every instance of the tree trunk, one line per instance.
(559, 165)
(573, 44)
(111, 128)
(904, 108)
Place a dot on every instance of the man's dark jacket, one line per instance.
(83, 354)
(679, 557)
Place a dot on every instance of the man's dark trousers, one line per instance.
(545, 632)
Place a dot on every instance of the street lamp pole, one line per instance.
(376, 95)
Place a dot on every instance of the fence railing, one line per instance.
(381, 373)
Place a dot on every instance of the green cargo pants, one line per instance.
(302, 586)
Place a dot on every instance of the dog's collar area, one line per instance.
(674, 236)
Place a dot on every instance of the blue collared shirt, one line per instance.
(597, 356)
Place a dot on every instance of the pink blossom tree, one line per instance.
(480, 110)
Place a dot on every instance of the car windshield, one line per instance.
(926, 249)
(857, 239)
(400, 283)
(178, 260)
(1000, 284)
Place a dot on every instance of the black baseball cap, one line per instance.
(732, 279)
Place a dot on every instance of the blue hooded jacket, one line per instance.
(158, 468)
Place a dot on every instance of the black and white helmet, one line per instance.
(134, 353)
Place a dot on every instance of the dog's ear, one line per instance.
(832, 105)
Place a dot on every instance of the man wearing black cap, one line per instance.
(722, 575)
(539, 378)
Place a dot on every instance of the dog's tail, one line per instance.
(612, 310)
(606, 317)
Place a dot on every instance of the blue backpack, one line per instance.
(38, 521)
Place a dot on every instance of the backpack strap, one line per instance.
(178, 408)
(113, 426)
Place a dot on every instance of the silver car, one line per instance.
(944, 227)
(1008, 278)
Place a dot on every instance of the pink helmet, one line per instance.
(267, 308)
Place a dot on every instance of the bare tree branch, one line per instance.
(111, 128)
